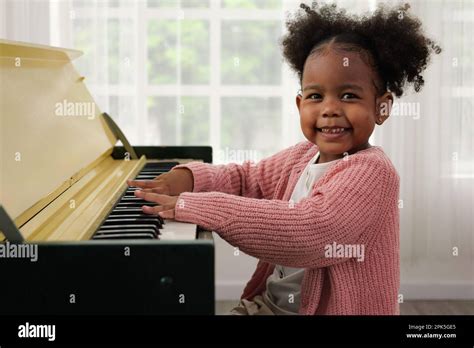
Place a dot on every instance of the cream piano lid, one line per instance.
(51, 130)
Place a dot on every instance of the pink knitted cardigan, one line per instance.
(354, 203)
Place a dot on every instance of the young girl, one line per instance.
(321, 216)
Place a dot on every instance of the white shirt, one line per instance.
(284, 284)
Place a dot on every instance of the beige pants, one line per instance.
(254, 307)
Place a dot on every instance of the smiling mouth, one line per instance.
(333, 130)
(334, 133)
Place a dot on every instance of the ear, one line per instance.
(383, 107)
(298, 100)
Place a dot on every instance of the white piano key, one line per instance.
(174, 230)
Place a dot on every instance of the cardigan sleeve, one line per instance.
(247, 180)
(340, 210)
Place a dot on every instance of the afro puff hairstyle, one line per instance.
(393, 40)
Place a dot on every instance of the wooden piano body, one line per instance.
(61, 175)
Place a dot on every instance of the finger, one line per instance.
(142, 183)
(151, 197)
(152, 210)
(159, 190)
(167, 214)
(136, 183)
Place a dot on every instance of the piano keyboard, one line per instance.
(127, 220)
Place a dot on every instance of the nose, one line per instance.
(331, 108)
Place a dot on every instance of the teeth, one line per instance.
(332, 130)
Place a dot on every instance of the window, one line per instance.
(190, 72)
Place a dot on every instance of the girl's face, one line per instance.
(338, 105)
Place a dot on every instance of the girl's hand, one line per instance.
(172, 183)
(166, 203)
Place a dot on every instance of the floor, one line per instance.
(406, 308)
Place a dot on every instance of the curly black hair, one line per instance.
(390, 39)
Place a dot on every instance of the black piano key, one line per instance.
(117, 224)
(133, 221)
(136, 216)
(161, 165)
(121, 235)
(140, 223)
(127, 211)
(136, 227)
(134, 204)
(136, 200)
(128, 208)
(136, 230)
(132, 199)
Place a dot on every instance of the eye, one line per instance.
(352, 96)
(314, 96)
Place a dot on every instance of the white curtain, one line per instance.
(196, 72)
(433, 152)
(24, 20)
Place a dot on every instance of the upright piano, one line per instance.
(73, 239)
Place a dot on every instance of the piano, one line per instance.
(73, 239)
